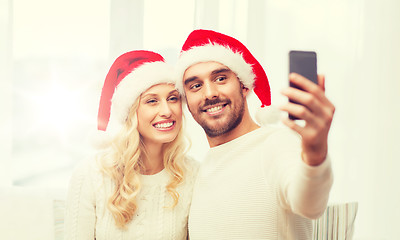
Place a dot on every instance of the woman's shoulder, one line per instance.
(87, 168)
(192, 168)
(86, 165)
(191, 163)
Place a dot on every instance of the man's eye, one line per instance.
(220, 79)
(195, 86)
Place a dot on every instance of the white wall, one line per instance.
(5, 91)
(358, 50)
(358, 46)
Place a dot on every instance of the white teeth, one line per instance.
(214, 109)
(164, 125)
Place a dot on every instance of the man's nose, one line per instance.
(210, 90)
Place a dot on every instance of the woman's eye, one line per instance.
(173, 99)
(151, 101)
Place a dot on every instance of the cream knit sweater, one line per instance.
(257, 187)
(87, 215)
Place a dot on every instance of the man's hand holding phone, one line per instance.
(307, 101)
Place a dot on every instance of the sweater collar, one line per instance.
(236, 143)
(160, 178)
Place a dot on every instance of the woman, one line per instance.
(140, 185)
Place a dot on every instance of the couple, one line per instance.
(255, 182)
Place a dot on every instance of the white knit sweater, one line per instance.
(87, 215)
(257, 187)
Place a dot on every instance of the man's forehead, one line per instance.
(204, 68)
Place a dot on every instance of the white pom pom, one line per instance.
(100, 139)
(268, 115)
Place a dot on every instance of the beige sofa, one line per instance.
(31, 213)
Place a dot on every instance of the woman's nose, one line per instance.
(165, 110)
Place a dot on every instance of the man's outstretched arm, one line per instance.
(317, 112)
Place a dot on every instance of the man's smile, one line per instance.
(215, 106)
(215, 109)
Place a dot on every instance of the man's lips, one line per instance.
(208, 104)
(214, 106)
(215, 109)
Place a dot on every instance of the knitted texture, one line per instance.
(87, 215)
(257, 187)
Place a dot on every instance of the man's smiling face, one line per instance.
(215, 97)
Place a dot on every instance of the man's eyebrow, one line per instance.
(215, 72)
(220, 70)
(189, 80)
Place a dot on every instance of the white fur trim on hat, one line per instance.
(268, 115)
(99, 139)
(215, 53)
(132, 86)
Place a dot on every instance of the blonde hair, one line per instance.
(122, 162)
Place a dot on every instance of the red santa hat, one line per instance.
(206, 45)
(130, 75)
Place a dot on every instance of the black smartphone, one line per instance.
(305, 64)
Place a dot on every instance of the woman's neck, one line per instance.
(153, 159)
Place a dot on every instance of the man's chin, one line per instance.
(215, 130)
(214, 123)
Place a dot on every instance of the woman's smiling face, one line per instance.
(159, 114)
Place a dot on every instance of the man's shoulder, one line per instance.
(276, 135)
(274, 131)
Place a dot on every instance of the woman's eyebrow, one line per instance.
(173, 92)
(149, 95)
(155, 94)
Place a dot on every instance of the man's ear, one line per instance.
(245, 90)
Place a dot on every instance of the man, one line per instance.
(255, 182)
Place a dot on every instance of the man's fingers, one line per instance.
(310, 94)
(304, 98)
(292, 125)
(299, 111)
(321, 81)
(308, 86)
(303, 82)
